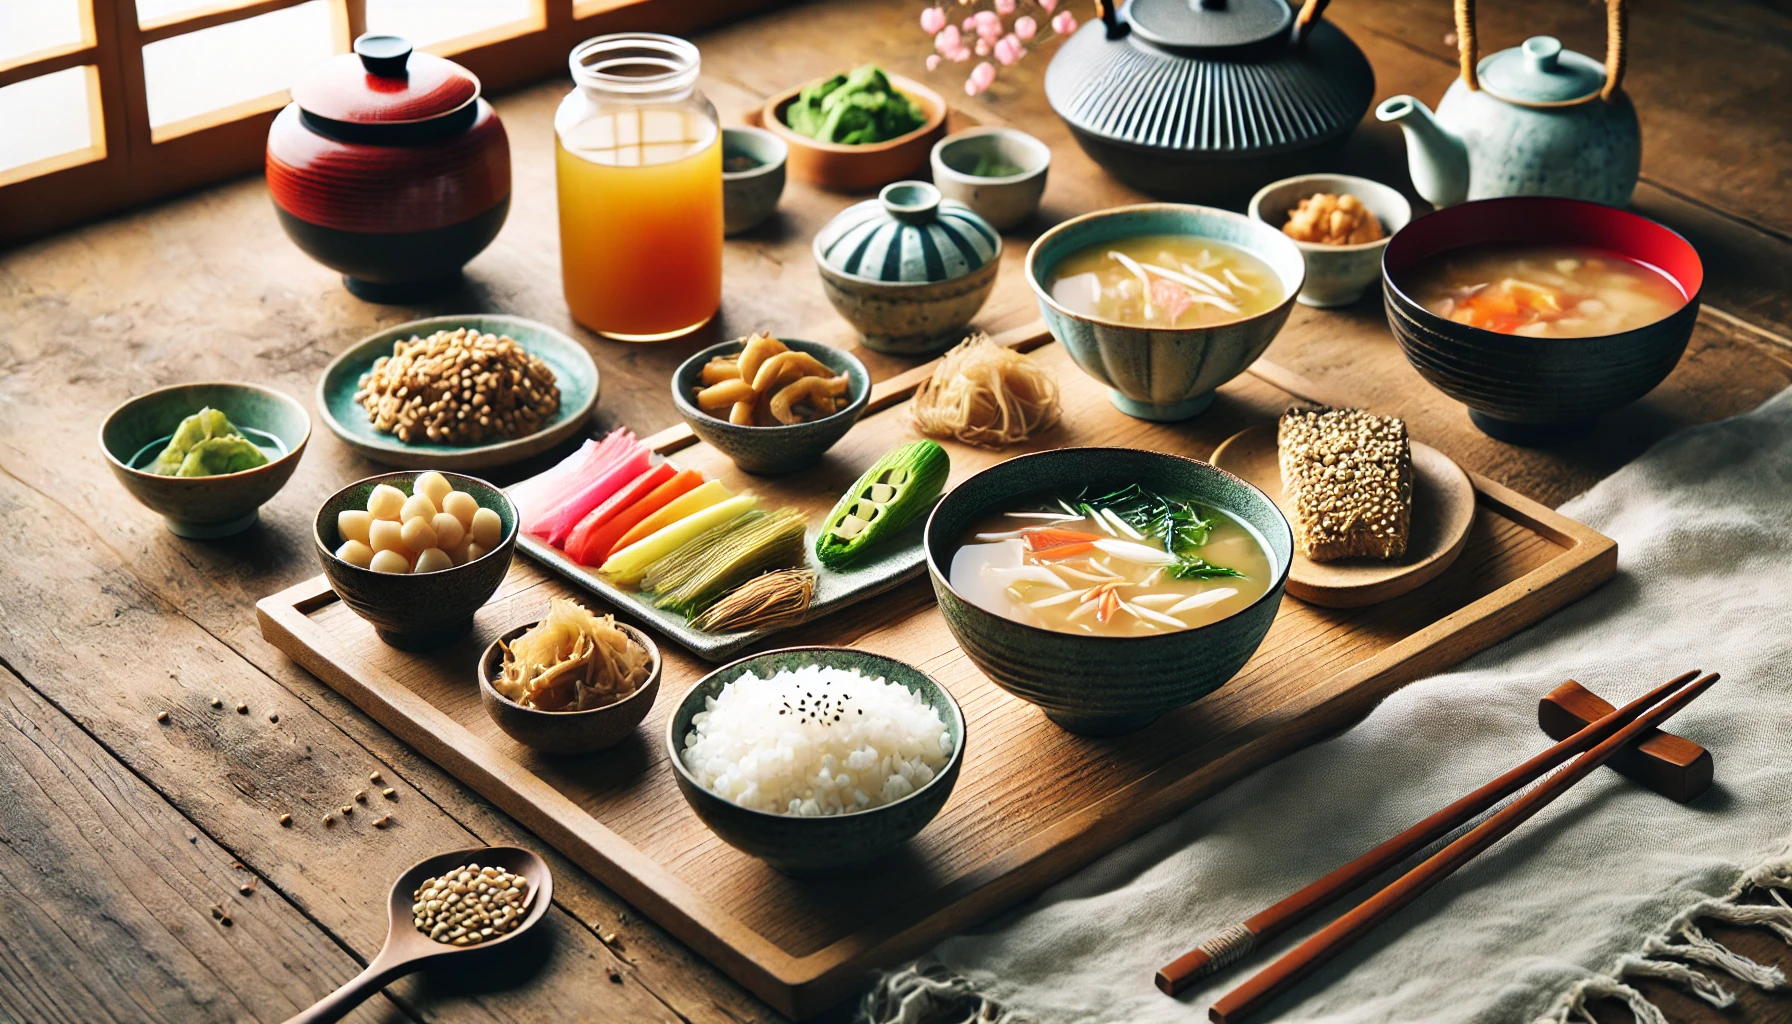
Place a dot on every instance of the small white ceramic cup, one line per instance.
(1336, 274)
(1006, 201)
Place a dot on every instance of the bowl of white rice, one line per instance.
(816, 759)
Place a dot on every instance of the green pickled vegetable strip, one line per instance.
(893, 493)
(698, 574)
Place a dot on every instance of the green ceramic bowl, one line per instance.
(806, 846)
(1169, 373)
(207, 506)
(415, 612)
(575, 374)
(1104, 685)
(568, 732)
(784, 448)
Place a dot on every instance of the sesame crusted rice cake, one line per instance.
(1348, 475)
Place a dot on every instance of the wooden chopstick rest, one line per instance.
(1673, 766)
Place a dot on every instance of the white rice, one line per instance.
(815, 741)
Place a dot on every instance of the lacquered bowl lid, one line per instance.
(384, 82)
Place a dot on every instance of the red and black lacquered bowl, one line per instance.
(389, 168)
(1536, 391)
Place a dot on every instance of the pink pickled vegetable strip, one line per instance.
(558, 521)
(537, 496)
(579, 540)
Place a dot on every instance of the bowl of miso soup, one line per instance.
(1108, 586)
(1541, 314)
(1164, 302)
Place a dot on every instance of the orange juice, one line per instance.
(641, 221)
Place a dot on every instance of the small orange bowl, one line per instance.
(842, 168)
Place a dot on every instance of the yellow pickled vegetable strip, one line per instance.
(625, 568)
(694, 500)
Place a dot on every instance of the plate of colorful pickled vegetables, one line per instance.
(715, 568)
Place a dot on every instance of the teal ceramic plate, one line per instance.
(897, 562)
(574, 373)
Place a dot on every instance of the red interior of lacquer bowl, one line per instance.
(1550, 221)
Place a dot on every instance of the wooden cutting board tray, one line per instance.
(1034, 802)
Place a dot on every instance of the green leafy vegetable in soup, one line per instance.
(898, 489)
(854, 109)
(206, 444)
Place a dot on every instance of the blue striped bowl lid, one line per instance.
(909, 234)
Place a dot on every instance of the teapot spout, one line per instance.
(1437, 159)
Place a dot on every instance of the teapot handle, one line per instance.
(1617, 44)
(1310, 13)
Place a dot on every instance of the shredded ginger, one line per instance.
(572, 661)
(985, 394)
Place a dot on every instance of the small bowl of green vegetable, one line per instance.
(207, 456)
(998, 172)
(857, 130)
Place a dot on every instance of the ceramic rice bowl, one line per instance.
(751, 196)
(787, 447)
(829, 844)
(1337, 275)
(568, 732)
(1540, 390)
(205, 507)
(1164, 374)
(1104, 685)
(415, 612)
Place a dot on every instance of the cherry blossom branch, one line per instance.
(987, 31)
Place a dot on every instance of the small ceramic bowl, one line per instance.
(750, 196)
(1006, 201)
(908, 269)
(775, 450)
(205, 507)
(415, 612)
(1164, 374)
(1104, 685)
(568, 732)
(798, 845)
(1337, 275)
(1536, 391)
(842, 168)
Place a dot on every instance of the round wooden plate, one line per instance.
(575, 373)
(1443, 509)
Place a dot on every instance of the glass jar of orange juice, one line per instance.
(639, 161)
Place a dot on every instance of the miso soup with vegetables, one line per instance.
(1177, 281)
(1132, 562)
(1544, 291)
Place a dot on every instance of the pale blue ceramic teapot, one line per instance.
(1532, 120)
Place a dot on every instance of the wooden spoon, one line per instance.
(407, 949)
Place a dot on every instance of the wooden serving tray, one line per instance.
(1033, 803)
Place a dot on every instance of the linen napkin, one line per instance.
(1606, 883)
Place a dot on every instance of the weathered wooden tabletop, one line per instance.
(123, 841)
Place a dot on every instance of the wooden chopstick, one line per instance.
(1335, 937)
(1232, 944)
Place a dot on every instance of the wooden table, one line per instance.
(123, 842)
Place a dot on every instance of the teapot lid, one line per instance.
(383, 83)
(907, 235)
(1209, 24)
(1541, 73)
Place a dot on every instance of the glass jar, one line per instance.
(638, 156)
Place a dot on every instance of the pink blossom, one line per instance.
(932, 20)
(960, 55)
(987, 18)
(969, 24)
(1008, 50)
(970, 88)
(980, 78)
(1048, 6)
(948, 40)
(1063, 23)
(933, 61)
(1004, 7)
(1025, 28)
(982, 47)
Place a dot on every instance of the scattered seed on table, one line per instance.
(161, 716)
(329, 820)
(242, 709)
(360, 796)
(274, 718)
(469, 904)
(615, 975)
(382, 822)
(375, 777)
(216, 703)
(286, 821)
(348, 809)
(217, 913)
(225, 920)
(389, 793)
(193, 839)
(245, 888)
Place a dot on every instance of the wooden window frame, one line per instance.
(130, 162)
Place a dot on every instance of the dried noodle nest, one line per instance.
(986, 394)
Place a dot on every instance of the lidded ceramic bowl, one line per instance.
(910, 268)
(389, 168)
(1206, 100)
